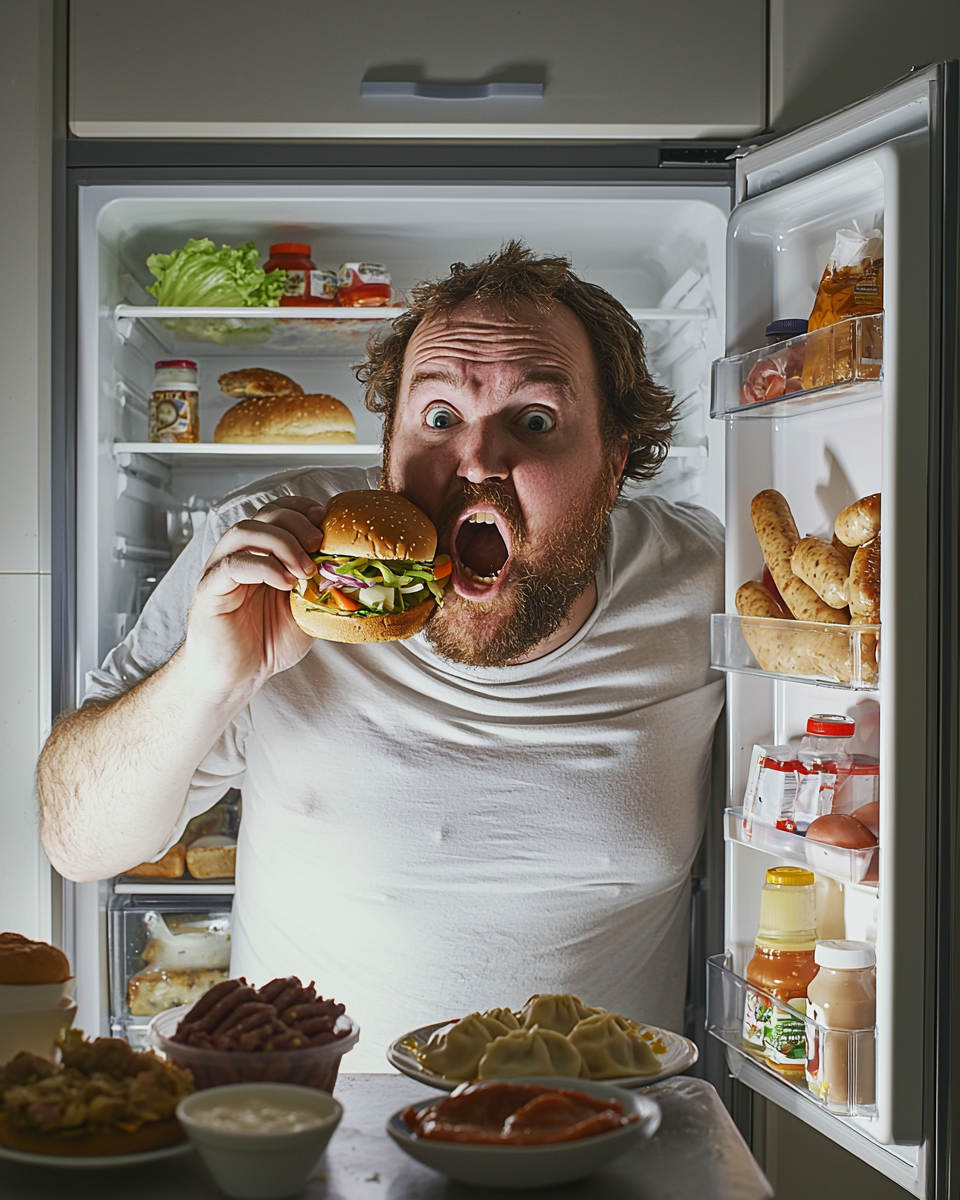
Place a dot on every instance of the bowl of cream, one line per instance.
(260, 1141)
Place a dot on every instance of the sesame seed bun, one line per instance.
(25, 961)
(258, 381)
(287, 420)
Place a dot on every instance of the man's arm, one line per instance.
(114, 776)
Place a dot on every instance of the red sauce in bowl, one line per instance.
(515, 1114)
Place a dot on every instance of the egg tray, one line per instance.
(837, 862)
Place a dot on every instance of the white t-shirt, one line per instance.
(424, 839)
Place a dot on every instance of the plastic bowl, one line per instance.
(534, 1166)
(312, 1067)
(260, 1166)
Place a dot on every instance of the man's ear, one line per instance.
(618, 460)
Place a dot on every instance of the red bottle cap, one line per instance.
(830, 725)
(175, 362)
(300, 248)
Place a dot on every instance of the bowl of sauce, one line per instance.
(525, 1132)
(260, 1141)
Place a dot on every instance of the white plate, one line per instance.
(534, 1166)
(681, 1054)
(107, 1160)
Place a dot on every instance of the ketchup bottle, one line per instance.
(306, 286)
(363, 285)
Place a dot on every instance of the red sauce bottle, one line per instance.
(306, 286)
(363, 285)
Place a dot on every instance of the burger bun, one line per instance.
(23, 961)
(287, 420)
(391, 627)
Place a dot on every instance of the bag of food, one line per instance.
(851, 286)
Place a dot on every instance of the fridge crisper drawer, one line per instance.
(164, 954)
(833, 1068)
(846, 656)
(849, 866)
(835, 365)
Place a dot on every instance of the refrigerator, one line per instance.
(705, 245)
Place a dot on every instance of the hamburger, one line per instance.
(378, 577)
(287, 419)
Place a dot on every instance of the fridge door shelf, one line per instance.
(838, 364)
(836, 1069)
(840, 656)
(837, 862)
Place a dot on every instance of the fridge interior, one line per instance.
(823, 453)
(659, 250)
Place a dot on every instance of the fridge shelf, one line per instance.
(847, 866)
(840, 656)
(169, 887)
(838, 364)
(835, 1069)
(208, 453)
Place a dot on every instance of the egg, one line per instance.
(869, 815)
(837, 829)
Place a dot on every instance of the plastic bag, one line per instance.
(851, 287)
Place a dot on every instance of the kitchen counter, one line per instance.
(697, 1154)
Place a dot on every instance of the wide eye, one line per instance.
(441, 418)
(537, 421)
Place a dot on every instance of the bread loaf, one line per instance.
(212, 857)
(168, 867)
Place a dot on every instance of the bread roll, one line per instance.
(825, 569)
(860, 521)
(212, 857)
(258, 381)
(863, 585)
(168, 867)
(777, 533)
(287, 420)
(26, 961)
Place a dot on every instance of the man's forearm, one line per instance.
(113, 778)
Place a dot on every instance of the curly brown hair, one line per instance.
(635, 404)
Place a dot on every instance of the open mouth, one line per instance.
(481, 546)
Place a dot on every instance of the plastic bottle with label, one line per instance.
(841, 1045)
(782, 967)
(824, 753)
(306, 286)
(174, 410)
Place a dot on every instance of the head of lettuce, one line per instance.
(200, 275)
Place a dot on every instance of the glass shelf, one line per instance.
(201, 454)
(847, 866)
(843, 1062)
(842, 656)
(836, 365)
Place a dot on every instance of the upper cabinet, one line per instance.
(428, 68)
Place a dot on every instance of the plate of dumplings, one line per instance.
(552, 1034)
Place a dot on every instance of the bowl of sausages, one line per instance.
(282, 1032)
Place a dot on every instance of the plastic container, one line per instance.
(782, 966)
(848, 866)
(313, 1066)
(841, 1039)
(174, 410)
(846, 656)
(823, 754)
(837, 364)
(306, 286)
(363, 285)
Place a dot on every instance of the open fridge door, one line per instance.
(864, 405)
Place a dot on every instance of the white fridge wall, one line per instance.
(778, 246)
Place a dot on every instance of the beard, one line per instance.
(545, 578)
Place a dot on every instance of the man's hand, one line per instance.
(240, 630)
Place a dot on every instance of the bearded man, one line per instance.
(509, 802)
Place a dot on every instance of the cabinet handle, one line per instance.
(398, 89)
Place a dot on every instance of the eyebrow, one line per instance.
(424, 377)
(555, 377)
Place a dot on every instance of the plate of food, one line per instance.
(104, 1160)
(552, 1034)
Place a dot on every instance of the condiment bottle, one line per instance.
(842, 996)
(782, 966)
(174, 414)
(305, 286)
(363, 285)
(784, 329)
(823, 754)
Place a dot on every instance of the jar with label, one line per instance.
(306, 286)
(841, 1040)
(174, 414)
(363, 285)
(823, 754)
(782, 966)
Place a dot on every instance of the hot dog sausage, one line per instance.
(860, 521)
(778, 536)
(823, 568)
(222, 1009)
(203, 1005)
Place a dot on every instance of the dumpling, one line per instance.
(530, 1052)
(608, 1049)
(550, 1011)
(505, 1016)
(456, 1051)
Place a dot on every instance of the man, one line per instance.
(507, 803)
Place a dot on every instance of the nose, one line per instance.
(482, 454)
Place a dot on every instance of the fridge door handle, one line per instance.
(404, 90)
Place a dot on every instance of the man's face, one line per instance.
(498, 438)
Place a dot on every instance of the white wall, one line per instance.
(26, 33)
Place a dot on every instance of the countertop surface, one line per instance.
(697, 1154)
